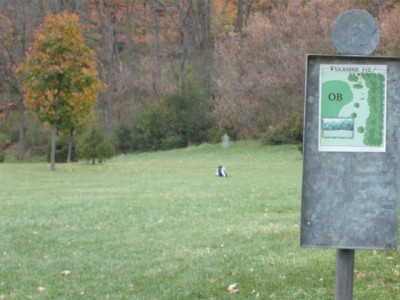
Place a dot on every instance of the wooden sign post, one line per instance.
(351, 148)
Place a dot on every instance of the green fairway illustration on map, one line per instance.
(352, 108)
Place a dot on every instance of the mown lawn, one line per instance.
(163, 226)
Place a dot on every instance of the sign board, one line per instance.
(351, 152)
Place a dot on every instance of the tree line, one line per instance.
(181, 72)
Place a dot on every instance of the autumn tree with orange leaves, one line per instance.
(60, 79)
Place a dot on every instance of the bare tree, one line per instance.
(17, 21)
(109, 56)
(243, 14)
(204, 10)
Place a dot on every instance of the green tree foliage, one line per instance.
(375, 122)
(4, 143)
(95, 146)
(288, 132)
(124, 140)
(149, 129)
(353, 77)
(60, 80)
(187, 114)
(62, 146)
(182, 119)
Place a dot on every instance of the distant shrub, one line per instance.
(4, 143)
(95, 146)
(182, 119)
(172, 141)
(4, 140)
(36, 135)
(300, 148)
(187, 115)
(124, 140)
(149, 129)
(62, 145)
(290, 131)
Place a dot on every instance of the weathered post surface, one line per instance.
(344, 274)
(351, 147)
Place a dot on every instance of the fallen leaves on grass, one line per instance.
(233, 289)
(361, 275)
(41, 289)
(65, 273)
(397, 273)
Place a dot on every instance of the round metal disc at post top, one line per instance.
(355, 32)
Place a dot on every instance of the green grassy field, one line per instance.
(163, 226)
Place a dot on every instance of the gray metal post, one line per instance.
(344, 274)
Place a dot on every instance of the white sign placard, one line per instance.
(352, 114)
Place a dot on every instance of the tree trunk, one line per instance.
(157, 74)
(21, 130)
(53, 147)
(183, 48)
(243, 13)
(204, 8)
(239, 16)
(109, 58)
(70, 144)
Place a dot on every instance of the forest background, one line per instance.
(183, 72)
